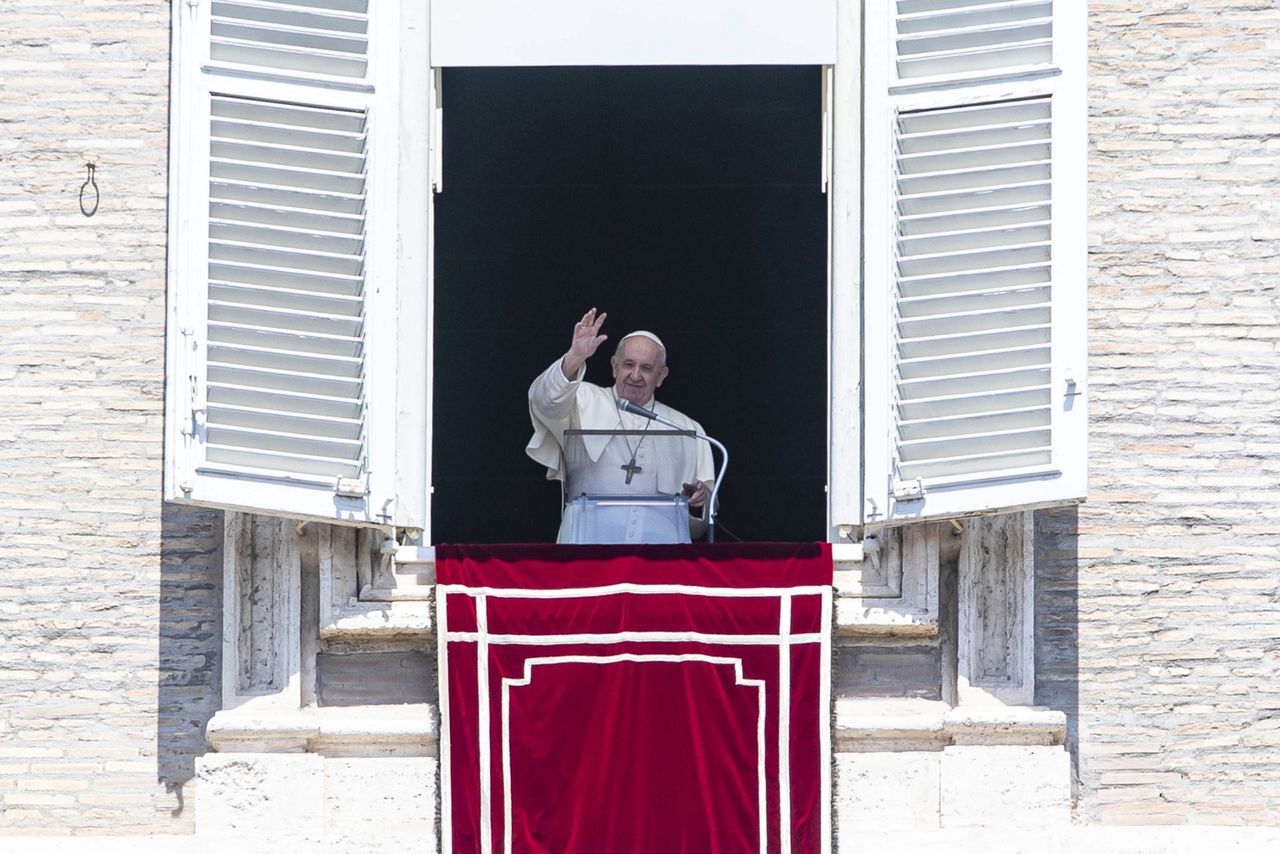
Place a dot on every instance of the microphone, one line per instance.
(627, 406)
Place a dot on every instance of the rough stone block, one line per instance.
(259, 794)
(367, 797)
(1005, 786)
(887, 790)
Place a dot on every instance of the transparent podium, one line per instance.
(612, 491)
(626, 519)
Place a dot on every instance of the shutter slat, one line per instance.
(968, 62)
(974, 220)
(301, 38)
(261, 256)
(286, 217)
(283, 442)
(259, 128)
(974, 117)
(915, 16)
(303, 160)
(944, 326)
(932, 183)
(250, 315)
(320, 14)
(928, 39)
(271, 464)
(307, 118)
(978, 382)
(287, 60)
(301, 280)
(974, 261)
(261, 357)
(919, 354)
(979, 280)
(977, 464)
(972, 199)
(952, 243)
(299, 179)
(279, 400)
(941, 363)
(968, 404)
(944, 164)
(990, 422)
(268, 236)
(284, 340)
(276, 421)
(272, 380)
(267, 195)
(972, 301)
(968, 445)
(285, 298)
(909, 8)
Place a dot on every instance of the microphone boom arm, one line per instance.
(628, 406)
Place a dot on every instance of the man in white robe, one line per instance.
(640, 465)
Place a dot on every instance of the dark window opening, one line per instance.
(684, 200)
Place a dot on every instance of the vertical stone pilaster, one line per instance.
(261, 612)
(996, 654)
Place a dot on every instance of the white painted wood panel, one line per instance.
(652, 32)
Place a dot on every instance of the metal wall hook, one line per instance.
(85, 208)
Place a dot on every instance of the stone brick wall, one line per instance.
(1163, 589)
(108, 600)
(1159, 619)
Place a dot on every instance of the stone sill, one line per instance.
(858, 617)
(404, 730)
(904, 725)
(377, 620)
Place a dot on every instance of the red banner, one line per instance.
(640, 699)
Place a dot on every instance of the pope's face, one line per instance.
(638, 370)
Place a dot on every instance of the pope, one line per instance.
(637, 464)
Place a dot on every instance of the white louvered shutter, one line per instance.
(283, 261)
(975, 257)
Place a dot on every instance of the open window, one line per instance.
(304, 133)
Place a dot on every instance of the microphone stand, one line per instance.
(628, 406)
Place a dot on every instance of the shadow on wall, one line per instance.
(1057, 617)
(190, 639)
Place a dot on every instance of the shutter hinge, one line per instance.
(352, 487)
(191, 426)
(908, 490)
(199, 411)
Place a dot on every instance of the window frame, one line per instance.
(400, 278)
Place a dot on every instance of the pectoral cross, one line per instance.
(630, 468)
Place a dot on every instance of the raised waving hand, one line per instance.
(586, 340)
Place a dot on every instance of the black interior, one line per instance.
(683, 200)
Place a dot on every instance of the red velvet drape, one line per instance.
(648, 699)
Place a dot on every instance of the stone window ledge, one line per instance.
(900, 725)
(406, 730)
(379, 620)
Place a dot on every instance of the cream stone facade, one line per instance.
(1030, 681)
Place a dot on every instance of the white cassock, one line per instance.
(599, 464)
